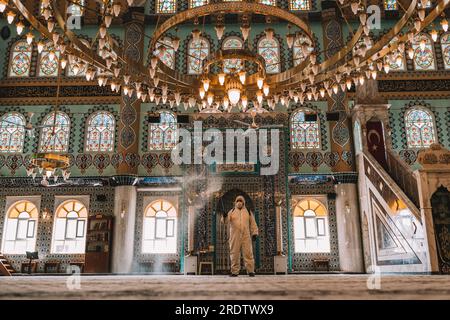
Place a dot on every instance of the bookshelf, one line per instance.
(98, 244)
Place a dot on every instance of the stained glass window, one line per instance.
(269, 2)
(48, 61)
(419, 124)
(69, 231)
(163, 135)
(197, 3)
(300, 4)
(423, 52)
(390, 5)
(197, 52)
(55, 133)
(311, 227)
(100, 132)
(20, 228)
(445, 43)
(231, 43)
(166, 6)
(165, 52)
(12, 132)
(298, 55)
(305, 131)
(270, 51)
(160, 228)
(20, 63)
(76, 10)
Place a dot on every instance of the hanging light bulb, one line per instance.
(363, 18)
(108, 20)
(11, 15)
(374, 74)
(269, 34)
(201, 93)
(30, 38)
(335, 88)
(221, 78)
(434, 35)
(46, 13)
(398, 60)
(156, 81)
(244, 101)
(242, 77)
(55, 37)
(63, 63)
(421, 14)
(386, 67)
(20, 26)
(444, 24)
(417, 24)
(355, 5)
(226, 103)
(125, 90)
(342, 84)
(220, 29)
(51, 55)
(3, 4)
(245, 30)
(424, 3)
(195, 35)
(348, 83)
(322, 92)
(290, 38)
(175, 43)
(260, 82)
(102, 31)
(410, 53)
(259, 97)
(206, 83)
(422, 44)
(50, 25)
(116, 9)
(210, 99)
(266, 89)
(313, 58)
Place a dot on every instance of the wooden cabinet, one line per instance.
(98, 244)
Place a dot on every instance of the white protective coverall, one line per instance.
(242, 228)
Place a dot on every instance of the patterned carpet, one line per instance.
(221, 287)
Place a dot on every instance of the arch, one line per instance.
(230, 43)
(311, 229)
(424, 57)
(20, 59)
(20, 228)
(297, 52)
(70, 225)
(440, 204)
(299, 5)
(420, 128)
(12, 132)
(269, 49)
(160, 227)
(55, 133)
(165, 52)
(305, 131)
(48, 61)
(166, 6)
(198, 50)
(100, 132)
(163, 135)
(445, 46)
(226, 202)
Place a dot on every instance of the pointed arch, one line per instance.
(424, 57)
(420, 128)
(100, 132)
(305, 129)
(198, 50)
(269, 49)
(20, 59)
(163, 135)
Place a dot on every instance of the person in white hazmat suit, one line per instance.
(243, 230)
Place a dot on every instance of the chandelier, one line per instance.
(49, 165)
(317, 76)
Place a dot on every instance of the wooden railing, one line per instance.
(402, 174)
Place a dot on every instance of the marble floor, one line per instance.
(335, 286)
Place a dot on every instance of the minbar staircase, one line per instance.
(5, 267)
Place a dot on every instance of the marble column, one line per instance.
(125, 216)
(349, 228)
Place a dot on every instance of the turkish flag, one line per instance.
(375, 142)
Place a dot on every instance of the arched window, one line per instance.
(297, 5)
(269, 49)
(396, 61)
(297, 51)
(311, 227)
(166, 6)
(48, 61)
(268, 2)
(165, 52)
(160, 228)
(305, 130)
(197, 3)
(163, 135)
(55, 133)
(445, 44)
(20, 228)
(76, 9)
(390, 5)
(423, 52)
(100, 132)
(20, 59)
(234, 65)
(12, 132)
(198, 51)
(69, 230)
(419, 125)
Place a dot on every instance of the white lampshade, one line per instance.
(234, 95)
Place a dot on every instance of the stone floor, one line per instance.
(308, 286)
